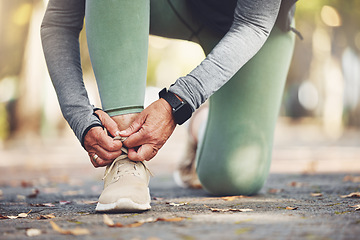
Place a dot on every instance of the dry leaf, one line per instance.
(32, 232)
(291, 208)
(177, 204)
(47, 216)
(3, 217)
(175, 219)
(357, 207)
(89, 202)
(34, 193)
(350, 178)
(231, 210)
(43, 205)
(316, 194)
(352, 195)
(232, 198)
(297, 184)
(64, 202)
(158, 198)
(23, 215)
(274, 190)
(75, 231)
(133, 225)
(108, 221)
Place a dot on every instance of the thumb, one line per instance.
(134, 127)
(108, 122)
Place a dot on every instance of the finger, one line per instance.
(134, 127)
(145, 152)
(97, 136)
(108, 143)
(108, 123)
(106, 155)
(98, 162)
(137, 139)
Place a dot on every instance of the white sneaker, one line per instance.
(125, 187)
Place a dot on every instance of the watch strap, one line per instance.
(181, 110)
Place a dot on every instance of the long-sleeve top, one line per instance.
(249, 28)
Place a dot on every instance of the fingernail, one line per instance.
(117, 133)
(122, 132)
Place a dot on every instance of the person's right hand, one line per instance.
(98, 143)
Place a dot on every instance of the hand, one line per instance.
(149, 131)
(98, 143)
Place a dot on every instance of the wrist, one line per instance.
(181, 110)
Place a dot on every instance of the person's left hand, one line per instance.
(149, 131)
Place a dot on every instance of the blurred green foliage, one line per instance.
(15, 16)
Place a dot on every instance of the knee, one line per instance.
(243, 172)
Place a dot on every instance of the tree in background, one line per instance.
(323, 83)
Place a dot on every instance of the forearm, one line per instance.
(59, 33)
(252, 24)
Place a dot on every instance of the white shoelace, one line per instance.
(120, 158)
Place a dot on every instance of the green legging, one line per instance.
(234, 154)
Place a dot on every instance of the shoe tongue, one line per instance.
(122, 168)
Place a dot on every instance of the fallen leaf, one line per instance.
(175, 219)
(231, 210)
(47, 216)
(352, 195)
(24, 215)
(3, 217)
(177, 204)
(349, 178)
(232, 198)
(32, 232)
(291, 208)
(158, 198)
(75, 231)
(12, 217)
(133, 225)
(316, 194)
(274, 190)
(43, 205)
(297, 184)
(34, 193)
(357, 207)
(89, 202)
(108, 221)
(64, 202)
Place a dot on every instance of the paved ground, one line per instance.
(304, 197)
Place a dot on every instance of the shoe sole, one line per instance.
(122, 205)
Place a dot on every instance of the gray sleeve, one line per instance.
(253, 21)
(60, 30)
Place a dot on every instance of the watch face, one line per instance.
(180, 110)
(182, 114)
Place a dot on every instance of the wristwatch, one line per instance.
(181, 110)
